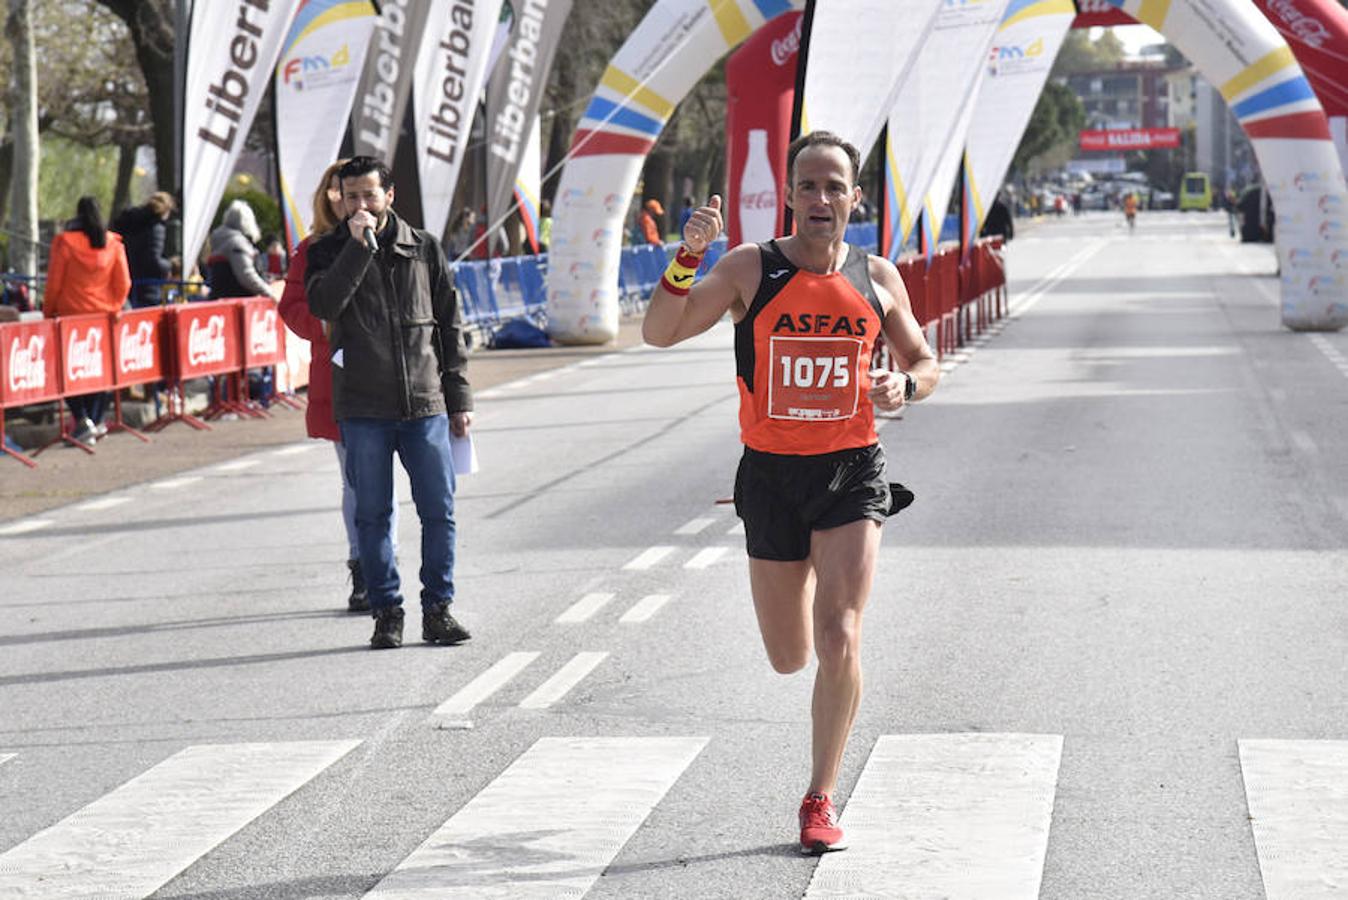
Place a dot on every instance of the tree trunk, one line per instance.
(126, 167)
(23, 218)
(6, 171)
(151, 23)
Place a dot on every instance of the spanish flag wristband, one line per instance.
(678, 277)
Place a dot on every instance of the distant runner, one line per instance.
(809, 310)
(1130, 210)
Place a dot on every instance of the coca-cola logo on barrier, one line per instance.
(785, 48)
(262, 332)
(135, 347)
(206, 341)
(84, 356)
(27, 364)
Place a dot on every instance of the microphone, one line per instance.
(370, 241)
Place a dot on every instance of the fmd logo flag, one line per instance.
(316, 80)
(231, 50)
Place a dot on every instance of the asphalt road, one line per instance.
(1104, 656)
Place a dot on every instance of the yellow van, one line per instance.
(1195, 192)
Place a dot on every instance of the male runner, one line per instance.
(811, 489)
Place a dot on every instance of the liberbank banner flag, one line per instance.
(856, 55)
(451, 67)
(231, 49)
(1022, 53)
(386, 82)
(514, 93)
(316, 80)
(928, 122)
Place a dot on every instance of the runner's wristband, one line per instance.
(678, 277)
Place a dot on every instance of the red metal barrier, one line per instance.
(46, 361)
(138, 356)
(264, 343)
(85, 357)
(29, 371)
(204, 341)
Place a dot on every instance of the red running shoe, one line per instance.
(819, 831)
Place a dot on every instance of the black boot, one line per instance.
(388, 628)
(439, 627)
(359, 601)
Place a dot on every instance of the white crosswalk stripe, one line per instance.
(583, 609)
(132, 841)
(943, 815)
(541, 829)
(1297, 793)
(935, 815)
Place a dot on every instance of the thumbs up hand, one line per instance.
(704, 226)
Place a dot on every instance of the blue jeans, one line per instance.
(423, 446)
(349, 510)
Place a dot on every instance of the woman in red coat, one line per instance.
(294, 308)
(86, 273)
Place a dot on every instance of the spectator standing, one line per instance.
(686, 213)
(998, 222)
(649, 221)
(461, 233)
(400, 387)
(87, 273)
(143, 229)
(232, 265)
(318, 419)
(544, 226)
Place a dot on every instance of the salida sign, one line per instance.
(1131, 139)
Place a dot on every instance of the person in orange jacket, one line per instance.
(650, 221)
(87, 273)
(318, 418)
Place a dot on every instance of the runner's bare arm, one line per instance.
(672, 317)
(906, 340)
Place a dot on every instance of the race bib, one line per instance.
(814, 378)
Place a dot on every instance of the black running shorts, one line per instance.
(783, 498)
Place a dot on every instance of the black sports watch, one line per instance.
(909, 387)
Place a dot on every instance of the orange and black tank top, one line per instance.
(803, 357)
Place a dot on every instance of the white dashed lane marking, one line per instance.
(567, 677)
(237, 466)
(6, 757)
(174, 483)
(483, 686)
(24, 526)
(696, 526)
(295, 449)
(706, 557)
(644, 609)
(103, 503)
(584, 608)
(649, 557)
(737, 528)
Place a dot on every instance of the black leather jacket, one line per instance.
(395, 323)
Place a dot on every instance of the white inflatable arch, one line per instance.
(669, 52)
(1230, 42)
(1240, 52)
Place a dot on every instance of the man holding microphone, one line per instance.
(399, 385)
(809, 309)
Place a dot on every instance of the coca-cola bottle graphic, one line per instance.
(758, 192)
